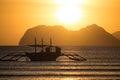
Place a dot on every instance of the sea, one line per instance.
(101, 63)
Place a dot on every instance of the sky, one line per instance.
(16, 16)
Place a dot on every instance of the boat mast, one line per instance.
(35, 45)
(50, 42)
(42, 44)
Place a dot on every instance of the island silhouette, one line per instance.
(92, 35)
(117, 34)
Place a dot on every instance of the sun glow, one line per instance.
(70, 2)
(69, 11)
(69, 14)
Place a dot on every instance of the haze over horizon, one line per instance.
(17, 16)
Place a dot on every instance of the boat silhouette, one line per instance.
(47, 52)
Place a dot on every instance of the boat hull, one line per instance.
(42, 56)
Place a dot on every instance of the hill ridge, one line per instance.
(92, 35)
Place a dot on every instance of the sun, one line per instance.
(69, 14)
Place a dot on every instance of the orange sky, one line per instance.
(16, 16)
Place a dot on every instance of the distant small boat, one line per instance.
(47, 53)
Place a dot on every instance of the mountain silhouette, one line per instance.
(117, 34)
(92, 35)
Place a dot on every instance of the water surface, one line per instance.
(101, 63)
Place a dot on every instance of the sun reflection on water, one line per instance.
(68, 79)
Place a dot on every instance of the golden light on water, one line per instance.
(68, 79)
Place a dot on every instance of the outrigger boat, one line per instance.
(47, 52)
